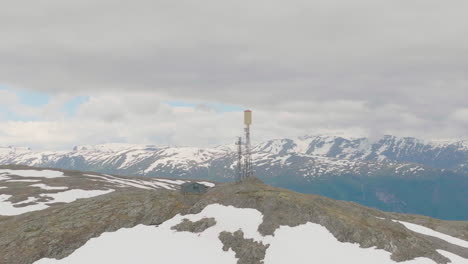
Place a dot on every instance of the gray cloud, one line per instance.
(377, 66)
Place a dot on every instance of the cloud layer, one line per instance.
(365, 66)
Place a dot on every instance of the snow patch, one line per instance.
(23, 181)
(288, 245)
(178, 182)
(8, 208)
(73, 195)
(294, 245)
(46, 187)
(207, 184)
(429, 232)
(455, 259)
(3, 177)
(34, 173)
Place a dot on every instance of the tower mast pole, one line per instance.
(247, 156)
(239, 171)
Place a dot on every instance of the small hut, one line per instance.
(193, 188)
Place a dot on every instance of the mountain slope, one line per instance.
(248, 222)
(24, 189)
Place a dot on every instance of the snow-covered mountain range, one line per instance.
(319, 155)
(374, 172)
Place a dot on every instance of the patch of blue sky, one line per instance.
(8, 115)
(35, 99)
(181, 104)
(219, 107)
(38, 99)
(29, 98)
(71, 106)
(226, 107)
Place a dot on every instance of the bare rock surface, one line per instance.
(195, 227)
(247, 251)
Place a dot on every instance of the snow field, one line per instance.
(304, 244)
(150, 183)
(73, 195)
(8, 208)
(427, 231)
(46, 187)
(34, 173)
(208, 184)
(23, 180)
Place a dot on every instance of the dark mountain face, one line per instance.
(394, 174)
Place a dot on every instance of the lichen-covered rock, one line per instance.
(248, 251)
(194, 227)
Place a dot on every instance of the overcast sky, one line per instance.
(180, 72)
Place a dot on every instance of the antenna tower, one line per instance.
(247, 155)
(239, 171)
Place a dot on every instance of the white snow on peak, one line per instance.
(12, 149)
(302, 144)
(184, 157)
(462, 144)
(227, 148)
(111, 147)
(331, 135)
(303, 244)
(34, 173)
(271, 146)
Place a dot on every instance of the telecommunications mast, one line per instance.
(239, 171)
(248, 172)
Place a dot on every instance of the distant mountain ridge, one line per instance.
(437, 154)
(451, 155)
(380, 173)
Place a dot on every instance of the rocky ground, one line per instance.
(57, 231)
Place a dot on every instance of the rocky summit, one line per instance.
(77, 217)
